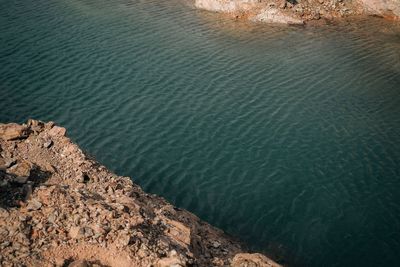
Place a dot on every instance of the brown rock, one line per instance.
(171, 261)
(178, 232)
(4, 213)
(13, 131)
(59, 262)
(3, 165)
(47, 143)
(282, 4)
(22, 169)
(252, 260)
(76, 232)
(35, 125)
(34, 205)
(78, 263)
(57, 131)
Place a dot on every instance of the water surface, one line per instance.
(285, 137)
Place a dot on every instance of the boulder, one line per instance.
(385, 8)
(13, 131)
(57, 131)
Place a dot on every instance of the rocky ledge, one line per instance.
(301, 11)
(60, 208)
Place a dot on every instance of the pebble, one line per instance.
(76, 232)
(216, 244)
(34, 205)
(47, 143)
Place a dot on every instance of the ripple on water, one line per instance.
(285, 137)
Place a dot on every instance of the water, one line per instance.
(285, 137)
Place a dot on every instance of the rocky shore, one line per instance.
(58, 207)
(301, 11)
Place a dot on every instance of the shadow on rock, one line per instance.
(18, 182)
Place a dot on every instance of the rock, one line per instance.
(178, 232)
(27, 188)
(171, 261)
(123, 240)
(252, 260)
(52, 218)
(3, 183)
(216, 244)
(78, 263)
(276, 16)
(35, 125)
(9, 162)
(76, 232)
(88, 231)
(387, 8)
(47, 143)
(82, 177)
(22, 169)
(4, 213)
(34, 205)
(236, 7)
(282, 4)
(21, 179)
(57, 131)
(13, 131)
(3, 165)
(59, 262)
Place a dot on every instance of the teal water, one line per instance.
(288, 138)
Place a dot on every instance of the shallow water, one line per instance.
(285, 137)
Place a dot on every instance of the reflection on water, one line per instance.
(286, 137)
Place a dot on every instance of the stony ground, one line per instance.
(60, 208)
(317, 9)
(302, 11)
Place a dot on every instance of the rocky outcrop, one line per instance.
(300, 11)
(274, 15)
(58, 207)
(255, 10)
(227, 5)
(385, 8)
